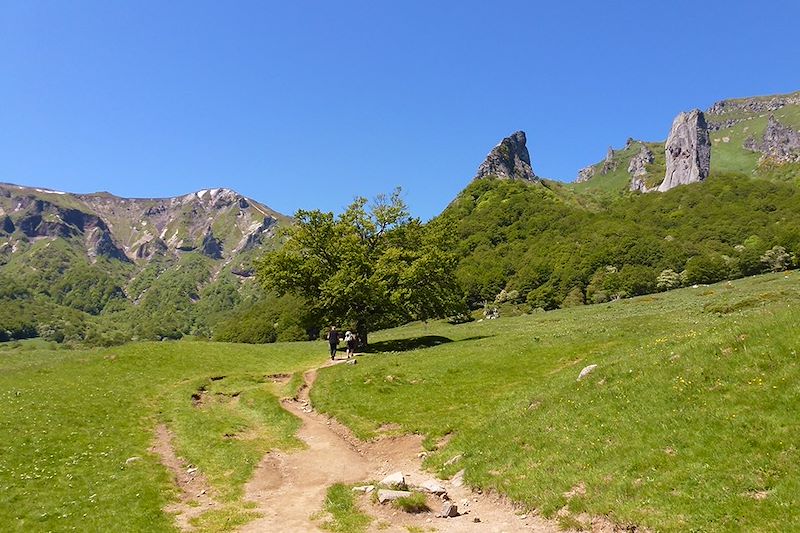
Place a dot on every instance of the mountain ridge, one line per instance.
(141, 227)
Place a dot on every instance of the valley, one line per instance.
(685, 423)
(617, 353)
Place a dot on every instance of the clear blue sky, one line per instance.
(309, 103)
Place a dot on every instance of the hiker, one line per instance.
(350, 340)
(333, 341)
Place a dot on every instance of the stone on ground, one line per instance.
(453, 460)
(385, 495)
(395, 481)
(586, 371)
(449, 510)
(434, 487)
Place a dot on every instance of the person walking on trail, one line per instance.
(333, 341)
(350, 341)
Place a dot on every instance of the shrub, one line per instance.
(776, 259)
(668, 280)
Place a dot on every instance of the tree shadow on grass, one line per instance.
(413, 343)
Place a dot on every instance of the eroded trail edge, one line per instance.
(196, 496)
(288, 488)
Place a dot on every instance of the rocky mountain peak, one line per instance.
(688, 151)
(508, 160)
(219, 223)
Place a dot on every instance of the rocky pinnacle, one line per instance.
(688, 151)
(508, 160)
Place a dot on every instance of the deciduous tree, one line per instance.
(373, 265)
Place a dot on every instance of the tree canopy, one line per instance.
(372, 266)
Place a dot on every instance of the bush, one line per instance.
(574, 298)
(776, 259)
(705, 269)
(668, 280)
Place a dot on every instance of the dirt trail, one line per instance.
(289, 488)
(195, 497)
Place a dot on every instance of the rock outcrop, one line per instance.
(609, 163)
(688, 151)
(746, 108)
(508, 160)
(637, 168)
(758, 104)
(585, 174)
(779, 143)
(638, 165)
(211, 247)
(7, 226)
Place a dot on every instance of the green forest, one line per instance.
(544, 247)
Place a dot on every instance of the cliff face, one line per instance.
(688, 151)
(508, 160)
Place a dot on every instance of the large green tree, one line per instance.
(371, 266)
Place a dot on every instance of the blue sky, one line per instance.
(306, 104)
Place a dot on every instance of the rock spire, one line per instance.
(508, 160)
(688, 151)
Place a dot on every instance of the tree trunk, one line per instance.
(362, 331)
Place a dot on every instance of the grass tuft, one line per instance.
(345, 517)
(416, 503)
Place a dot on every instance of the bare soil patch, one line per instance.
(195, 493)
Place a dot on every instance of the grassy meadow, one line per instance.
(687, 424)
(70, 420)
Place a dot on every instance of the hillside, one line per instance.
(102, 268)
(544, 249)
(542, 244)
(687, 423)
(737, 130)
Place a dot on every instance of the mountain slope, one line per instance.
(145, 267)
(737, 128)
(544, 245)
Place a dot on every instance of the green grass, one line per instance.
(226, 518)
(345, 516)
(615, 181)
(70, 419)
(416, 503)
(688, 423)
